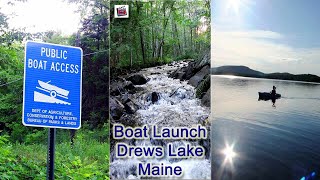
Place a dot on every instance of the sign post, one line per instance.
(50, 156)
(52, 90)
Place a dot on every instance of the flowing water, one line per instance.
(280, 141)
(177, 106)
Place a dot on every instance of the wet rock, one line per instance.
(199, 76)
(178, 73)
(189, 71)
(128, 120)
(116, 108)
(205, 143)
(124, 98)
(186, 73)
(206, 98)
(204, 60)
(115, 90)
(119, 87)
(138, 79)
(155, 73)
(128, 85)
(131, 107)
(157, 142)
(154, 97)
(174, 73)
(138, 89)
(203, 86)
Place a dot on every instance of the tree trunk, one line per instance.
(141, 35)
(184, 34)
(165, 23)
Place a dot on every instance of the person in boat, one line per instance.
(273, 95)
(273, 92)
(273, 102)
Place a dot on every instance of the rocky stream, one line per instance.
(172, 95)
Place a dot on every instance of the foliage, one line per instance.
(157, 31)
(87, 159)
(94, 41)
(11, 71)
(23, 149)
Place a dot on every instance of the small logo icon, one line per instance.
(121, 11)
(49, 94)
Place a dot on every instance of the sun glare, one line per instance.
(203, 26)
(229, 153)
(236, 5)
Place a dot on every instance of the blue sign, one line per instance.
(52, 86)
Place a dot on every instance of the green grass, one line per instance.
(86, 159)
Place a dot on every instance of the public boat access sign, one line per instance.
(52, 86)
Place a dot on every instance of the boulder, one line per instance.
(205, 143)
(174, 73)
(131, 107)
(128, 85)
(189, 71)
(199, 76)
(157, 142)
(116, 88)
(186, 73)
(203, 86)
(116, 108)
(206, 98)
(154, 97)
(203, 60)
(125, 98)
(128, 120)
(178, 73)
(138, 79)
(138, 89)
(155, 73)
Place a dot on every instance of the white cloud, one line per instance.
(264, 51)
(253, 34)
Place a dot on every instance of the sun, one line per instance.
(236, 5)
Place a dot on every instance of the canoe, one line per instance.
(268, 96)
(50, 87)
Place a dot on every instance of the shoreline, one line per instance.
(245, 77)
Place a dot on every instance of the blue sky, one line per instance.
(267, 35)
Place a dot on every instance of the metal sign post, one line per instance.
(50, 155)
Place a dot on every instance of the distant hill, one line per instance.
(237, 71)
(247, 72)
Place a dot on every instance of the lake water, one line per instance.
(269, 142)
